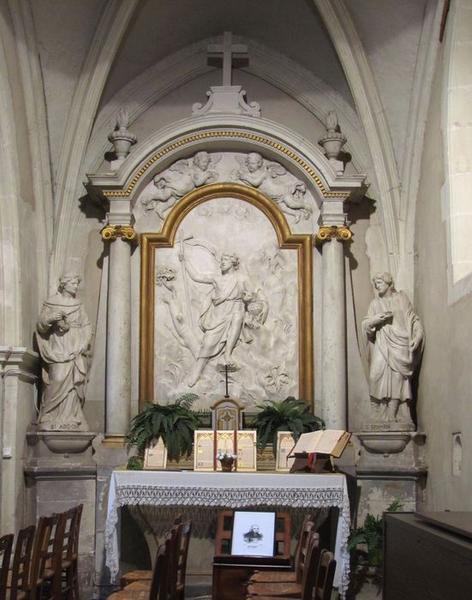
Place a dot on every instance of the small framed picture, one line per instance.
(285, 444)
(204, 450)
(253, 533)
(246, 446)
(155, 455)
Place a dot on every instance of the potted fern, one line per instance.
(175, 423)
(366, 547)
(290, 414)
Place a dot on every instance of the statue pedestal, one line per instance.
(386, 450)
(59, 442)
(60, 473)
(390, 467)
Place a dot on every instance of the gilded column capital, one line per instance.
(126, 232)
(326, 233)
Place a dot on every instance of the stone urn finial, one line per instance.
(334, 139)
(121, 137)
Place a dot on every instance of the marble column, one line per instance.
(334, 377)
(118, 353)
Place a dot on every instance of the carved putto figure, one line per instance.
(271, 179)
(180, 179)
(395, 337)
(63, 335)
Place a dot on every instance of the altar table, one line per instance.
(229, 490)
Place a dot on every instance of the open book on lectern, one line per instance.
(327, 441)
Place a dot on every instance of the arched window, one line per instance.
(457, 128)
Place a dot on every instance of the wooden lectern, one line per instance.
(231, 573)
(313, 451)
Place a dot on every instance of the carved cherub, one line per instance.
(271, 178)
(161, 193)
(295, 202)
(180, 179)
(196, 171)
(253, 171)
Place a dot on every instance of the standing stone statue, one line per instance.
(395, 339)
(63, 334)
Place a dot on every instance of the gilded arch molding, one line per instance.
(302, 158)
(300, 243)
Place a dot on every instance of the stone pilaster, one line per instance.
(333, 233)
(120, 235)
(18, 400)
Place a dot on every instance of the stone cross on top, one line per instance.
(228, 56)
(227, 98)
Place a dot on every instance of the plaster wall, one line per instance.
(64, 32)
(445, 377)
(398, 24)
(20, 253)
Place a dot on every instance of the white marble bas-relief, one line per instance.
(226, 295)
(271, 178)
(63, 335)
(395, 337)
(182, 177)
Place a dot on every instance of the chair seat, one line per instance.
(130, 595)
(289, 589)
(139, 585)
(19, 595)
(273, 577)
(133, 576)
(269, 597)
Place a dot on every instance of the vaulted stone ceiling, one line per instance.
(161, 28)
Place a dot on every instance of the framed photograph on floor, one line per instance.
(253, 533)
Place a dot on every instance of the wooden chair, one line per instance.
(301, 591)
(159, 589)
(69, 532)
(296, 574)
(54, 557)
(186, 531)
(19, 573)
(44, 534)
(142, 574)
(325, 576)
(6, 544)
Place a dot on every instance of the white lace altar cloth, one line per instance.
(229, 490)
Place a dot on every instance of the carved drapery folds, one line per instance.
(394, 336)
(63, 334)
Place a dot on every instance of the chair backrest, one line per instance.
(325, 576)
(310, 566)
(175, 541)
(41, 553)
(70, 536)
(158, 589)
(308, 527)
(6, 543)
(21, 561)
(183, 553)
